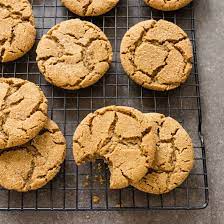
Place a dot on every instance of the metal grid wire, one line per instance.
(75, 187)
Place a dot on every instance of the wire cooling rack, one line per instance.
(86, 187)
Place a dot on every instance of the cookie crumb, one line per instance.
(118, 205)
(96, 199)
(100, 179)
(86, 181)
(99, 167)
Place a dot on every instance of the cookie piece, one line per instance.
(174, 157)
(90, 7)
(23, 111)
(74, 54)
(31, 166)
(169, 5)
(17, 31)
(120, 135)
(157, 55)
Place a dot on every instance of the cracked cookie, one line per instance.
(74, 54)
(23, 111)
(123, 137)
(157, 55)
(90, 7)
(31, 166)
(167, 5)
(174, 157)
(17, 31)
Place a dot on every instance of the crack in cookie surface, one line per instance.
(17, 31)
(74, 54)
(157, 54)
(23, 111)
(31, 166)
(122, 137)
(90, 7)
(174, 157)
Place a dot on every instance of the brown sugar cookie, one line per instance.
(157, 55)
(90, 7)
(31, 166)
(23, 111)
(169, 5)
(74, 54)
(17, 31)
(174, 157)
(120, 135)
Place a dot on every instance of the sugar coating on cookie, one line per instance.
(23, 111)
(74, 54)
(120, 135)
(174, 157)
(17, 31)
(31, 166)
(167, 5)
(157, 54)
(90, 7)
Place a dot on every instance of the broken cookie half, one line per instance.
(123, 137)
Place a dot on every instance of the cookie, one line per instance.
(23, 111)
(167, 5)
(74, 54)
(90, 7)
(31, 166)
(17, 31)
(120, 135)
(174, 157)
(157, 55)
